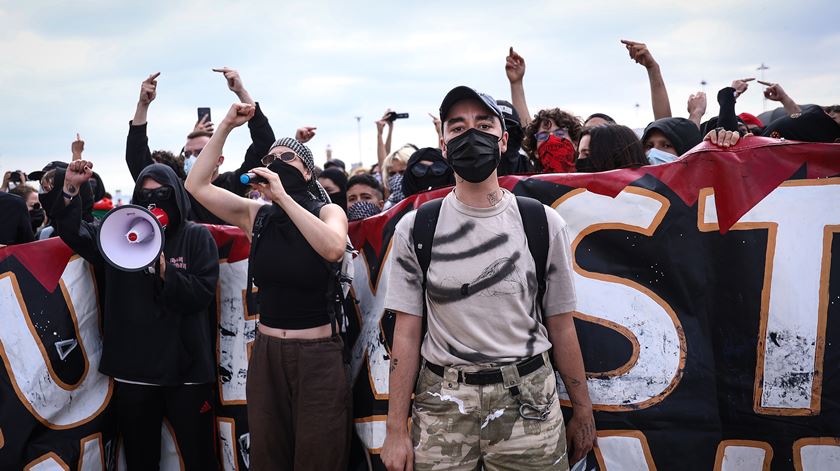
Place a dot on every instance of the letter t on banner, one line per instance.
(801, 218)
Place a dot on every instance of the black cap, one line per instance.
(509, 112)
(462, 93)
(38, 174)
(335, 163)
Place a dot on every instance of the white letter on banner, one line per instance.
(54, 406)
(800, 218)
(658, 338)
(816, 454)
(236, 331)
(743, 455)
(623, 450)
(369, 350)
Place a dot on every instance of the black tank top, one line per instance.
(292, 278)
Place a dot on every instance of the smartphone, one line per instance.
(204, 112)
(394, 116)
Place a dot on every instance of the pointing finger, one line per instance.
(748, 79)
(154, 76)
(764, 83)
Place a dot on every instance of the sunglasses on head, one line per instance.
(542, 136)
(287, 157)
(162, 193)
(437, 168)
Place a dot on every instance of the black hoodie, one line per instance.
(16, 227)
(138, 156)
(155, 331)
(682, 133)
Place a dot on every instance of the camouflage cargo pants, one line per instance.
(458, 426)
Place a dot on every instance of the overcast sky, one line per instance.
(77, 67)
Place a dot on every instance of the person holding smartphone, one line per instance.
(298, 390)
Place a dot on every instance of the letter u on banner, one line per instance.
(56, 406)
(631, 309)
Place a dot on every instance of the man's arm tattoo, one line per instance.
(394, 362)
(71, 188)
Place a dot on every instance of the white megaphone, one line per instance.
(131, 237)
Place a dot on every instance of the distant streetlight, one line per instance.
(761, 70)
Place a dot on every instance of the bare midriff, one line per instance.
(320, 332)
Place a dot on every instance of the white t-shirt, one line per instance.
(481, 283)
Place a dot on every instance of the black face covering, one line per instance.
(339, 198)
(37, 216)
(166, 204)
(514, 143)
(473, 155)
(585, 166)
(291, 178)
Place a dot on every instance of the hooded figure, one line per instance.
(682, 133)
(158, 330)
(512, 162)
(420, 176)
(811, 125)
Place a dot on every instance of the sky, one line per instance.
(71, 67)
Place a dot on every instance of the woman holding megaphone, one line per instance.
(158, 342)
(298, 391)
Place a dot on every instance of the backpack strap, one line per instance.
(535, 223)
(256, 232)
(423, 234)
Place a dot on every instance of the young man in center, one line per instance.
(486, 394)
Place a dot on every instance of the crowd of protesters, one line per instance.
(64, 198)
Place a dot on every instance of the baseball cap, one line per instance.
(462, 93)
(38, 174)
(509, 112)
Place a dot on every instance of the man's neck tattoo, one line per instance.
(494, 197)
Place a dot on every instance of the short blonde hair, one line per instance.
(400, 155)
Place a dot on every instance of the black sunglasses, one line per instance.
(162, 193)
(287, 157)
(437, 168)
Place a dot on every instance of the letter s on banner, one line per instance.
(801, 218)
(56, 407)
(656, 334)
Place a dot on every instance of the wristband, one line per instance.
(67, 195)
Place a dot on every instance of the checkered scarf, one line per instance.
(315, 188)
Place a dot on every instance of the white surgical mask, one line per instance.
(189, 162)
(656, 156)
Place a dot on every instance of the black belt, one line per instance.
(492, 375)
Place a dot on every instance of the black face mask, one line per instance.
(37, 216)
(473, 155)
(340, 199)
(164, 200)
(291, 178)
(585, 166)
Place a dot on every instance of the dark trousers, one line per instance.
(189, 409)
(298, 405)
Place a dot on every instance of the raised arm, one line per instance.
(515, 70)
(137, 153)
(658, 93)
(231, 208)
(726, 100)
(696, 107)
(383, 148)
(78, 234)
(775, 92)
